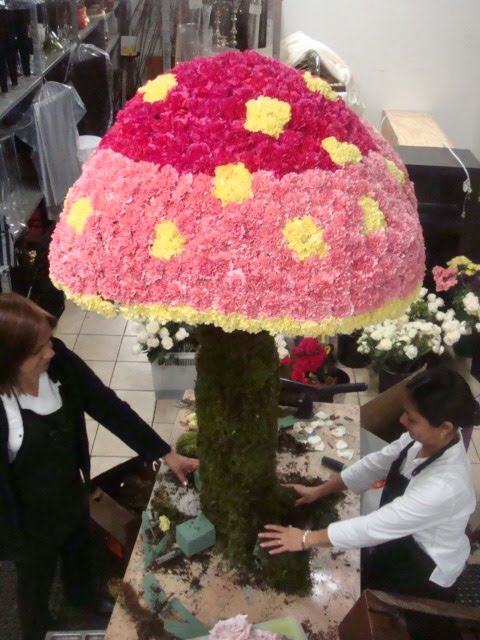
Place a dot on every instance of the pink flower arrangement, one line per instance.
(238, 628)
(233, 266)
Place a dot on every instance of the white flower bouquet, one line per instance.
(162, 341)
(461, 278)
(402, 345)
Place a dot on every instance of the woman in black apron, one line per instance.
(437, 403)
(45, 391)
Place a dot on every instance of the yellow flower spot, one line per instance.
(342, 153)
(79, 212)
(267, 115)
(158, 89)
(164, 523)
(232, 183)
(396, 172)
(373, 218)
(329, 326)
(168, 241)
(459, 261)
(464, 264)
(318, 85)
(304, 238)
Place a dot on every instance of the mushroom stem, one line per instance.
(237, 406)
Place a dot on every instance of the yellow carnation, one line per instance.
(267, 115)
(342, 153)
(396, 172)
(304, 238)
(373, 218)
(168, 241)
(232, 183)
(158, 89)
(79, 212)
(164, 524)
(318, 85)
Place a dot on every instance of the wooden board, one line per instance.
(413, 129)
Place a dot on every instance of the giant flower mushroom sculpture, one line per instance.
(240, 195)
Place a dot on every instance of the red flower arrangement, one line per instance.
(309, 363)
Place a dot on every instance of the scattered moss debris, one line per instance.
(163, 506)
(329, 634)
(147, 624)
(287, 443)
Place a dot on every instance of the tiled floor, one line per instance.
(106, 345)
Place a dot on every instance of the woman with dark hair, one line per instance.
(418, 533)
(45, 391)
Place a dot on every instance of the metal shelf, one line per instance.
(30, 197)
(26, 85)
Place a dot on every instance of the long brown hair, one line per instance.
(21, 323)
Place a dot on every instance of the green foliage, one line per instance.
(186, 444)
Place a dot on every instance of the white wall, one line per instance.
(410, 55)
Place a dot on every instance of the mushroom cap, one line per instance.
(239, 192)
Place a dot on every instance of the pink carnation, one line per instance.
(237, 628)
(445, 279)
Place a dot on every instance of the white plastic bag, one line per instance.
(294, 47)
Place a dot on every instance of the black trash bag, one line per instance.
(90, 72)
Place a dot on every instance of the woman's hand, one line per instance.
(281, 539)
(307, 494)
(180, 465)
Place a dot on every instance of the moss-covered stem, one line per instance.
(237, 393)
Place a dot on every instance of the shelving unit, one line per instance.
(26, 85)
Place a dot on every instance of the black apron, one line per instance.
(45, 477)
(401, 566)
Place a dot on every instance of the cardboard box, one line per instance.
(118, 525)
(380, 616)
(116, 501)
(381, 416)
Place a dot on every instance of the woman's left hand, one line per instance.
(281, 539)
(180, 465)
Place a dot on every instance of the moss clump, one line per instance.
(186, 444)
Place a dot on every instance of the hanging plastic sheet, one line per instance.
(90, 71)
(53, 136)
(295, 46)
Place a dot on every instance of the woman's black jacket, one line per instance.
(86, 393)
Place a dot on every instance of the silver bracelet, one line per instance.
(304, 538)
